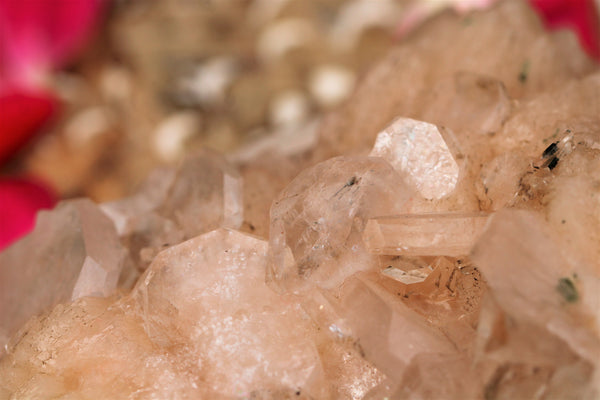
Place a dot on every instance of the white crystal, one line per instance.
(418, 150)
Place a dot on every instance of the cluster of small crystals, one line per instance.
(450, 253)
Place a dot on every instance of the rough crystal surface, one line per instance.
(200, 323)
(418, 150)
(209, 293)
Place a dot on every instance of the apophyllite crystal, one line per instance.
(204, 193)
(444, 234)
(449, 255)
(316, 222)
(73, 252)
(209, 296)
(418, 150)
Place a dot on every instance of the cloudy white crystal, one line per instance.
(418, 150)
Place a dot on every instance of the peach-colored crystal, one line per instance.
(205, 192)
(210, 295)
(434, 234)
(317, 220)
(535, 282)
(458, 261)
(200, 323)
(73, 252)
(390, 333)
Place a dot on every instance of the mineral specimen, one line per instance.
(439, 234)
(204, 193)
(73, 252)
(317, 220)
(452, 255)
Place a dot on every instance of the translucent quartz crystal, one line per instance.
(540, 289)
(421, 280)
(434, 234)
(73, 252)
(127, 212)
(418, 150)
(500, 179)
(204, 193)
(317, 220)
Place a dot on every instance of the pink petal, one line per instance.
(36, 35)
(20, 200)
(23, 114)
(579, 15)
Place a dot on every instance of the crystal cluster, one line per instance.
(450, 253)
(74, 252)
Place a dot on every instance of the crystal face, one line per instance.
(418, 150)
(83, 258)
(460, 262)
(210, 292)
(442, 234)
(317, 220)
(202, 194)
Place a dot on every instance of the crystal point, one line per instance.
(206, 194)
(73, 252)
(316, 221)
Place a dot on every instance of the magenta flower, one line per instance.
(20, 199)
(36, 37)
(581, 16)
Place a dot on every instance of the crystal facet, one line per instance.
(418, 150)
(489, 289)
(434, 234)
(83, 258)
(317, 220)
